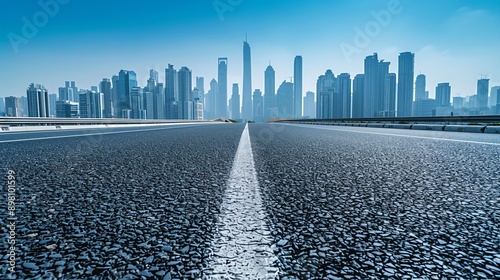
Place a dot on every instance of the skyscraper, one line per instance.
(38, 101)
(221, 97)
(270, 93)
(358, 95)
(326, 90)
(2, 106)
(246, 107)
(171, 89)
(52, 105)
(344, 96)
(136, 103)
(210, 102)
(126, 81)
(443, 95)
(309, 105)
(235, 103)
(184, 77)
(492, 101)
(258, 102)
(420, 92)
(371, 87)
(153, 74)
(483, 86)
(389, 105)
(284, 99)
(297, 87)
(105, 89)
(90, 104)
(13, 106)
(406, 66)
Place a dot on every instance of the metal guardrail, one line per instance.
(13, 121)
(487, 119)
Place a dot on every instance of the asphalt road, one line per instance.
(337, 202)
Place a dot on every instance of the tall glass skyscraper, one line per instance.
(246, 107)
(221, 98)
(270, 93)
(297, 87)
(38, 101)
(420, 88)
(406, 68)
(482, 92)
(126, 81)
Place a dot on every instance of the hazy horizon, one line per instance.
(88, 41)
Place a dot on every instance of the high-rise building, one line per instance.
(420, 92)
(153, 74)
(126, 81)
(13, 106)
(184, 77)
(389, 106)
(210, 100)
(159, 102)
(105, 89)
(309, 105)
(200, 85)
(492, 101)
(483, 85)
(171, 92)
(458, 102)
(24, 106)
(69, 91)
(358, 95)
(343, 96)
(258, 108)
(443, 95)
(52, 105)
(38, 101)
(114, 94)
(246, 107)
(406, 67)
(90, 104)
(2, 106)
(498, 101)
(221, 97)
(136, 103)
(424, 108)
(66, 109)
(371, 95)
(284, 100)
(148, 104)
(297, 87)
(326, 91)
(270, 110)
(235, 103)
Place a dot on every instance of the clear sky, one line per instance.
(454, 41)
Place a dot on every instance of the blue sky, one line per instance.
(454, 41)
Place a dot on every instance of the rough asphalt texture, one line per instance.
(359, 206)
(339, 204)
(137, 205)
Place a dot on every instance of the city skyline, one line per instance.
(438, 58)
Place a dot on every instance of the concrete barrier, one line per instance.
(492, 129)
(379, 125)
(435, 127)
(397, 125)
(465, 128)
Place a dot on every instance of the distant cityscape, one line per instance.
(375, 93)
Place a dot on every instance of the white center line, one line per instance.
(242, 247)
(401, 135)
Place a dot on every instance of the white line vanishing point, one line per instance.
(242, 246)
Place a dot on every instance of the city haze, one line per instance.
(453, 41)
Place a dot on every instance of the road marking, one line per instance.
(242, 247)
(407, 136)
(88, 134)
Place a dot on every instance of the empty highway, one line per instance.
(256, 201)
